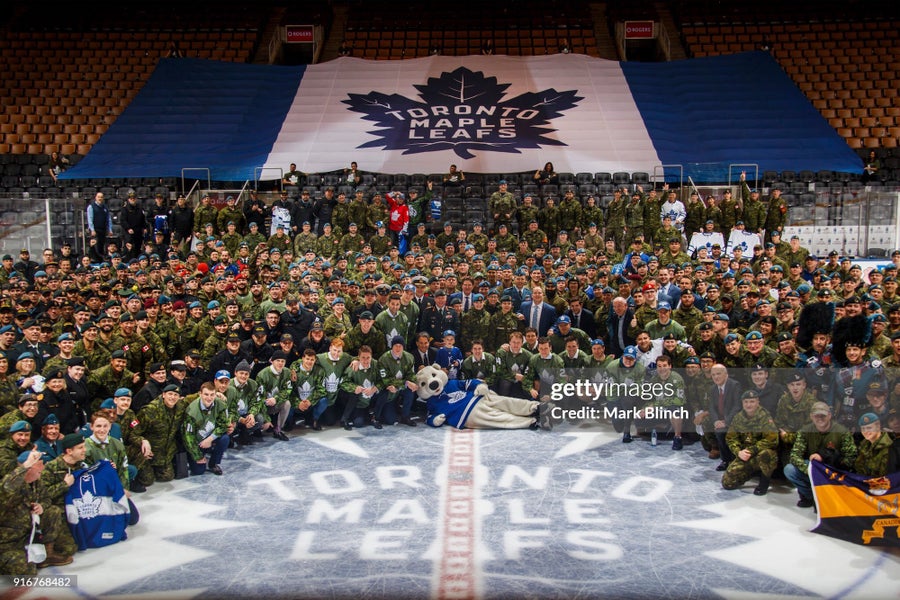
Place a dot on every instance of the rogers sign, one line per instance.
(299, 34)
(638, 29)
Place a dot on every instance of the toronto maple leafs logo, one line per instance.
(463, 111)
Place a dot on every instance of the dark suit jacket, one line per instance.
(547, 320)
(417, 357)
(613, 347)
(733, 403)
(586, 322)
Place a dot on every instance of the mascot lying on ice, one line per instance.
(471, 404)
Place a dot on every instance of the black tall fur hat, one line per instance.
(850, 331)
(817, 317)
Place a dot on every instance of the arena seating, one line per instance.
(848, 70)
(531, 28)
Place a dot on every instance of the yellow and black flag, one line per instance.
(856, 508)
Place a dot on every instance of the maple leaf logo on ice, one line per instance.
(463, 111)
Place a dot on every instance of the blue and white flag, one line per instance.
(482, 113)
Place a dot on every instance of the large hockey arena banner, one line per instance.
(487, 114)
(855, 508)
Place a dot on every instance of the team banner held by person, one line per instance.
(855, 508)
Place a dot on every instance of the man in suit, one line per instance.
(424, 354)
(724, 403)
(581, 319)
(537, 313)
(620, 319)
(466, 296)
(438, 318)
(668, 291)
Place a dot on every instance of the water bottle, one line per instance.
(653, 438)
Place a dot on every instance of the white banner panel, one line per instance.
(481, 113)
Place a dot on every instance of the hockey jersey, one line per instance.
(96, 507)
(455, 403)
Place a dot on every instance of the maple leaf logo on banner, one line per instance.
(463, 111)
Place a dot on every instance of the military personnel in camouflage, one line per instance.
(570, 212)
(878, 453)
(328, 244)
(753, 439)
(477, 238)
(502, 206)
(821, 440)
(652, 208)
(380, 243)
(792, 414)
(615, 220)
(533, 236)
(366, 333)
(103, 382)
(305, 240)
(506, 242)
(526, 213)
(502, 324)
(755, 211)
(731, 213)
(357, 210)
(138, 450)
(475, 324)
(351, 241)
(696, 213)
(254, 238)
(160, 424)
(375, 212)
(634, 216)
(22, 495)
(548, 218)
(776, 213)
(205, 213)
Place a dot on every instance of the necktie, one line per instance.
(577, 321)
(466, 304)
(722, 402)
(535, 315)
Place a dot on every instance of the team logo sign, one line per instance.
(463, 111)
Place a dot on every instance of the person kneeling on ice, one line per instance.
(471, 404)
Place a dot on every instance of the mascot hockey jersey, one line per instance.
(96, 506)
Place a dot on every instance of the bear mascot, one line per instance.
(471, 404)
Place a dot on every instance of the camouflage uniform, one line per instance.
(479, 241)
(534, 238)
(340, 218)
(634, 218)
(791, 417)
(160, 425)
(756, 434)
(525, 215)
(693, 222)
(652, 223)
(501, 325)
(776, 214)
(203, 215)
(139, 354)
(502, 204)
(687, 318)
(17, 496)
(872, 459)
(104, 382)
(569, 214)
(548, 220)
(754, 211)
(730, 216)
(374, 339)
(475, 325)
(357, 211)
(351, 242)
(128, 421)
(304, 242)
(327, 246)
(506, 243)
(380, 244)
(615, 221)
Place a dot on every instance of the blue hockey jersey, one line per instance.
(455, 402)
(96, 506)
